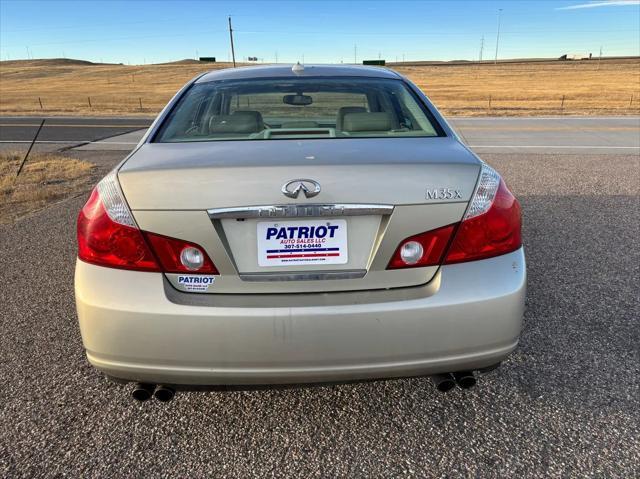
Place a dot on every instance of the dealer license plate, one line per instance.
(301, 243)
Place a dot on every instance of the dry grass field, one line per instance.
(46, 177)
(55, 87)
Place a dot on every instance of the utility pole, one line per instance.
(233, 52)
(498, 36)
(481, 48)
(276, 57)
(355, 54)
(600, 57)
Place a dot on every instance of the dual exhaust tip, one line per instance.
(143, 392)
(443, 382)
(447, 381)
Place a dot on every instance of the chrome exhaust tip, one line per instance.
(443, 382)
(164, 393)
(142, 391)
(465, 379)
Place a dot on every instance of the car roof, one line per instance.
(286, 71)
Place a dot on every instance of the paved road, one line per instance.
(67, 130)
(541, 135)
(545, 135)
(564, 405)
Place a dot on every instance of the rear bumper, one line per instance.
(469, 316)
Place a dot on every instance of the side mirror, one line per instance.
(297, 100)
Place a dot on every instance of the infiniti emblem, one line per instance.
(292, 188)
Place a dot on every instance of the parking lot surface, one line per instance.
(564, 405)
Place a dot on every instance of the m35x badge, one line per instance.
(443, 194)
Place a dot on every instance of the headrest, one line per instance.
(238, 122)
(373, 121)
(347, 109)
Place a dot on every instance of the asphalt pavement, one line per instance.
(62, 130)
(565, 404)
(579, 135)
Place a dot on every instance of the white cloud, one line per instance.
(605, 3)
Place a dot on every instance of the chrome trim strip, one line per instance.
(317, 276)
(298, 211)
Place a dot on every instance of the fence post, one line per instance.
(40, 101)
(24, 160)
(631, 100)
(489, 102)
(140, 101)
(89, 99)
(562, 104)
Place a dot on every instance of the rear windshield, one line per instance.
(274, 109)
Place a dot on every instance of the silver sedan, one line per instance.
(292, 225)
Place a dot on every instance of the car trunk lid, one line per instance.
(228, 197)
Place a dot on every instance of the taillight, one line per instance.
(492, 224)
(490, 227)
(425, 249)
(178, 256)
(106, 242)
(108, 236)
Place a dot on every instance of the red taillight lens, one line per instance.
(104, 242)
(490, 234)
(178, 256)
(425, 249)
(495, 232)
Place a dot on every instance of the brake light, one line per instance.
(492, 224)
(425, 249)
(108, 236)
(106, 242)
(490, 227)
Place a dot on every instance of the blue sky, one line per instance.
(315, 31)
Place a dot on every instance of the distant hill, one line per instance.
(51, 62)
(65, 62)
(185, 61)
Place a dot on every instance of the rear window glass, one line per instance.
(274, 109)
